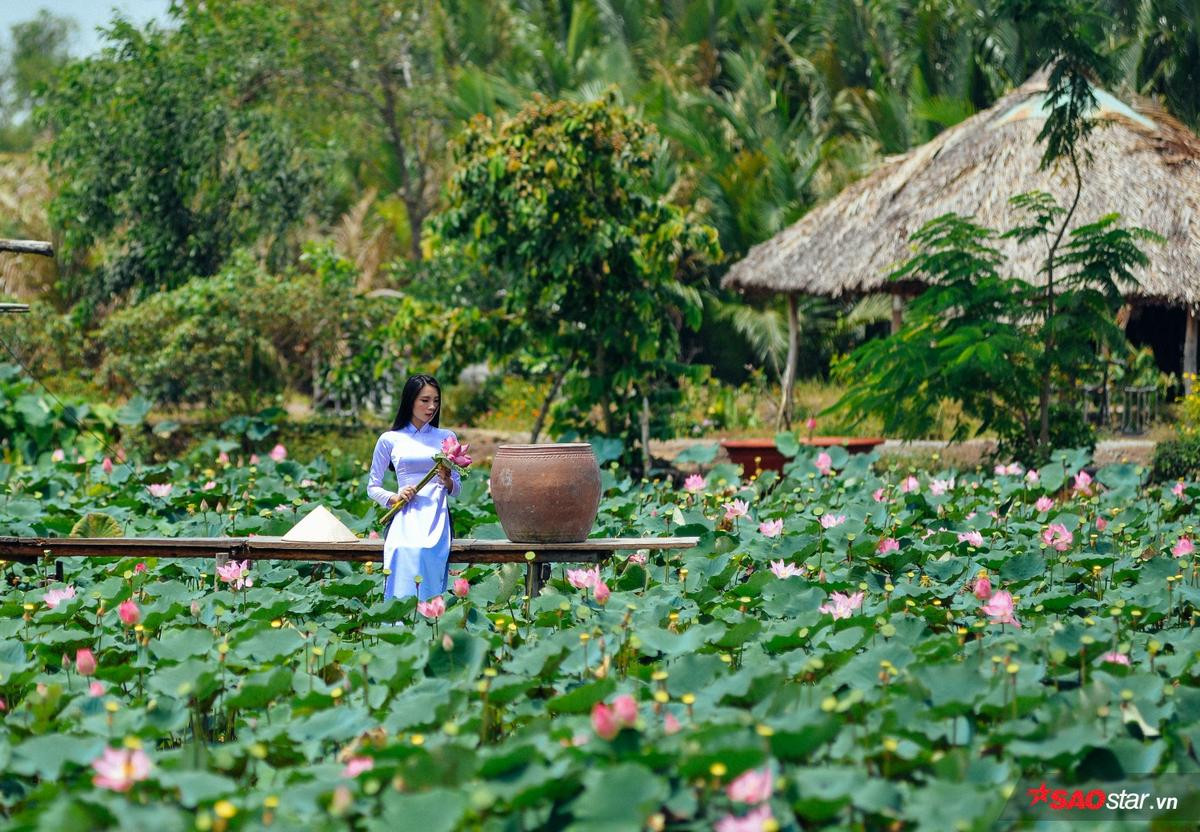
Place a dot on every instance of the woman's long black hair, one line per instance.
(408, 398)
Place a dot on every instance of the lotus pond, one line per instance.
(846, 648)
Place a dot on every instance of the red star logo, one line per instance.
(1039, 795)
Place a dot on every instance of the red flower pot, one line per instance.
(756, 455)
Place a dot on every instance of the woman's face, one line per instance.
(426, 406)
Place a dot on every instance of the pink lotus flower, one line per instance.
(755, 821)
(824, 463)
(670, 724)
(433, 608)
(841, 605)
(461, 587)
(372, 535)
(878, 495)
(909, 485)
(456, 452)
(208, 486)
(119, 769)
(1177, 489)
(1057, 537)
(1031, 475)
(107, 465)
(983, 588)
(129, 613)
(96, 688)
(693, 484)
(85, 661)
(625, 708)
(828, 521)
(159, 489)
(140, 568)
(771, 528)
(735, 509)
(253, 459)
(583, 578)
(1000, 608)
(601, 593)
(59, 455)
(973, 538)
(357, 765)
(638, 557)
(1116, 658)
(1083, 482)
(278, 453)
(1101, 523)
(753, 786)
(55, 597)
(810, 424)
(237, 575)
(223, 458)
(604, 721)
(785, 570)
(939, 487)
(1183, 546)
(888, 544)
(1044, 504)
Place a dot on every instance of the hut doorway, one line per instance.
(1161, 328)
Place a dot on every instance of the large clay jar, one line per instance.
(546, 493)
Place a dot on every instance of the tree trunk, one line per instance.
(1048, 349)
(1189, 353)
(645, 436)
(540, 422)
(784, 419)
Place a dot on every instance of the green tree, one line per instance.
(37, 53)
(556, 204)
(168, 156)
(1005, 346)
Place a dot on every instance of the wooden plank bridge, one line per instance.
(465, 550)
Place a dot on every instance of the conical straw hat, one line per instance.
(320, 526)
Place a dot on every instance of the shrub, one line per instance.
(235, 337)
(1176, 459)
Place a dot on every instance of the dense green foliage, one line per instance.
(765, 108)
(165, 161)
(1176, 459)
(979, 336)
(237, 337)
(555, 208)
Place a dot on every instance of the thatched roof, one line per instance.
(1146, 166)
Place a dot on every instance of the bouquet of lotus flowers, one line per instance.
(452, 455)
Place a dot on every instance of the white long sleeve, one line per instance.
(381, 460)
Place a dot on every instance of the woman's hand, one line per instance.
(404, 496)
(444, 476)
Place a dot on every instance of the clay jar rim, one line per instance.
(555, 446)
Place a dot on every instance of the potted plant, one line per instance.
(770, 454)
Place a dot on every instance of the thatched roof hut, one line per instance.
(1145, 165)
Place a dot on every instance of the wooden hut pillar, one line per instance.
(897, 313)
(789, 371)
(1189, 351)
